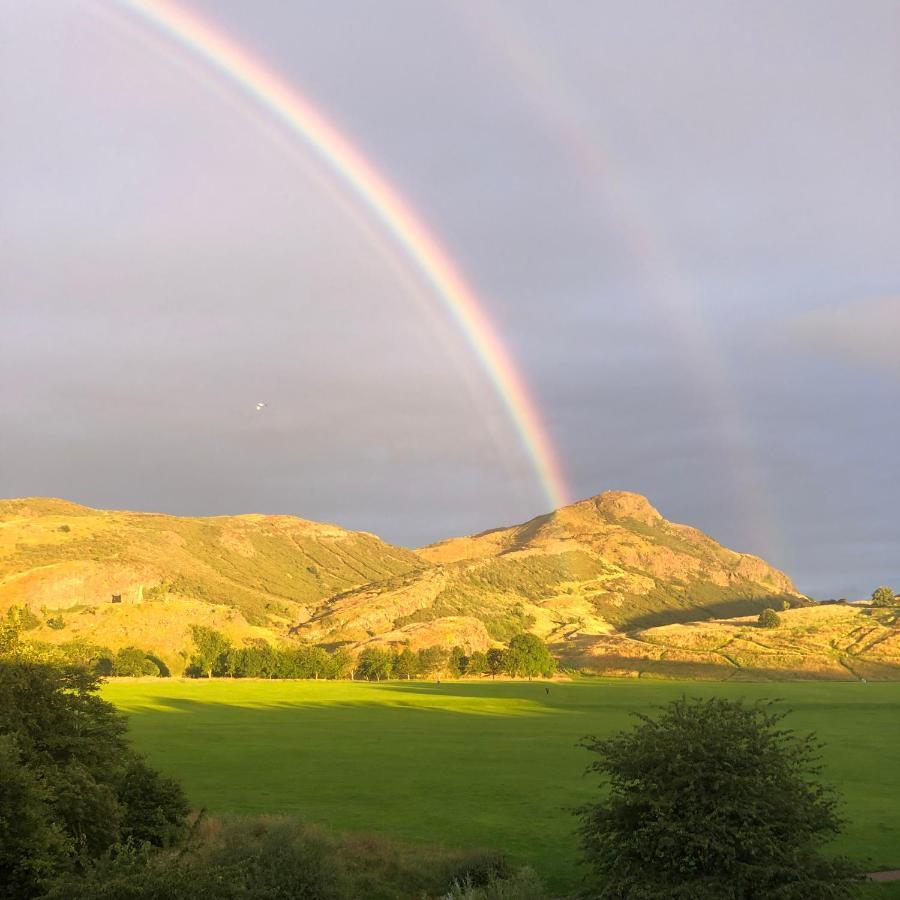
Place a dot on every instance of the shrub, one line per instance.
(480, 867)
(56, 622)
(768, 618)
(883, 596)
(712, 798)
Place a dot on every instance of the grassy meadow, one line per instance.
(474, 763)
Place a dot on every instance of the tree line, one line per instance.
(525, 656)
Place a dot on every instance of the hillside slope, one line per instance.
(260, 573)
(608, 582)
(606, 563)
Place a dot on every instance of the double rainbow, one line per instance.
(430, 259)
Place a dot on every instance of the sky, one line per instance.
(682, 219)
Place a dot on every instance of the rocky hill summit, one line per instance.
(606, 563)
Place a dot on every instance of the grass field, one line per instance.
(474, 763)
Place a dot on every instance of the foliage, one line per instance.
(711, 799)
(78, 787)
(432, 660)
(768, 618)
(521, 885)
(476, 664)
(528, 656)
(56, 622)
(456, 662)
(32, 844)
(275, 858)
(22, 618)
(883, 596)
(406, 664)
(496, 661)
(374, 664)
(131, 661)
(211, 649)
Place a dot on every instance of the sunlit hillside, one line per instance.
(611, 562)
(609, 583)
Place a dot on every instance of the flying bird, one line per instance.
(261, 406)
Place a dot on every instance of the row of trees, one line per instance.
(526, 656)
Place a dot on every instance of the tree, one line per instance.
(432, 660)
(883, 596)
(528, 656)
(496, 661)
(70, 786)
(477, 663)
(456, 662)
(712, 798)
(768, 618)
(32, 844)
(340, 665)
(131, 661)
(406, 664)
(212, 648)
(374, 663)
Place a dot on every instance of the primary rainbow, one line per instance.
(391, 210)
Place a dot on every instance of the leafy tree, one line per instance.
(134, 662)
(883, 596)
(713, 799)
(406, 664)
(496, 661)
(316, 662)
(374, 663)
(155, 806)
(32, 844)
(768, 618)
(477, 663)
(456, 662)
(66, 767)
(432, 660)
(527, 655)
(340, 665)
(211, 650)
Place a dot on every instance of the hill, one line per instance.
(250, 575)
(612, 585)
(611, 562)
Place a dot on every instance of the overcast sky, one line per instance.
(683, 219)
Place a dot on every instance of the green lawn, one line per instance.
(467, 764)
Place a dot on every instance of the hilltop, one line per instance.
(608, 582)
(608, 563)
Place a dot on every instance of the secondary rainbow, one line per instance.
(431, 260)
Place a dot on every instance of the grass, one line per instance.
(475, 763)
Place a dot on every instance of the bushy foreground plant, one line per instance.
(712, 799)
(270, 858)
(70, 786)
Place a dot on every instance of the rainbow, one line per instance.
(430, 259)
